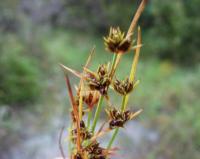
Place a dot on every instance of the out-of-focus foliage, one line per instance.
(170, 28)
(174, 29)
(19, 74)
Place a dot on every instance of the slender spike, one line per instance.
(136, 46)
(75, 111)
(90, 57)
(65, 68)
(71, 95)
(134, 64)
(136, 17)
(136, 114)
(136, 57)
(100, 134)
(81, 100)
(81, 84)
(136, 84)
(88, 71)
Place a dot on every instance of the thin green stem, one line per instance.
(117, 129)
(123, 103)
(114, 61)
(113, 138)
(98, 110)
(112, 71)
(89, 119)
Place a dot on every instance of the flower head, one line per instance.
(99, 80)
(118, 118)
(84, 133)
(95, 151)
(116, 41)
(91, 98)
(123, 87)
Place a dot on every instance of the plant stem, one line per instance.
(124, 103)
(98, 110)
(114, 61)
(89, 118)
(113, 138)
(137, 16)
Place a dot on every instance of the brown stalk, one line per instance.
(136, 17)
(81, 84)
(90, 57)
(81, 99)
(75, 111)
(65, 68)
(133, 25)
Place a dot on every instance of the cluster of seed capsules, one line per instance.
(91, 150)
(93, 86)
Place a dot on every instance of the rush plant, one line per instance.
(94, 87)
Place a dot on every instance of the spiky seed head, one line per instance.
(118, 118)
(91, 98)
(123, 87)
(95, 151)
(84, 133)
(99, 80)
(102, 70)
(116, 42)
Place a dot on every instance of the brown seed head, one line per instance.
(84, 133)
(123, 87)
(91, 98)
(117, 117)
(95, 151)
(100, 80)
(116, 42)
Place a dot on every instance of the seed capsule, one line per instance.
(100, 80)
(84, 133)
(95, 151)
(73, 116)
(123, 87)
(118, 118)
(116, 42)
(91, 98)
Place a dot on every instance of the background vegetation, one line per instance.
(36, 35)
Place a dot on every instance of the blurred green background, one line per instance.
(37, 35)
